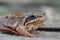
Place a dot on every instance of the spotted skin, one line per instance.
(22, 25)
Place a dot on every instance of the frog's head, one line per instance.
(36, 19)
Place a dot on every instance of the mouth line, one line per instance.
(33, 21)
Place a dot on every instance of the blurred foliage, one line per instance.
(4, 4)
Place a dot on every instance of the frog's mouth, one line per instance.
(33, 18)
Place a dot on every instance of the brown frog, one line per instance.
(22, 25)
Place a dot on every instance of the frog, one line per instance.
(22, 25)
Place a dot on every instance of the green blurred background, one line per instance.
(50, 7)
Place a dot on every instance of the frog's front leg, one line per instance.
(24, 32)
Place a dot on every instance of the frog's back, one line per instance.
(13, 22)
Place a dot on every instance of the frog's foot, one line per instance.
(23, 32)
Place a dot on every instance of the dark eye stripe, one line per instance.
(32, 17)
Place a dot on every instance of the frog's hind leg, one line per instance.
(23, 32)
